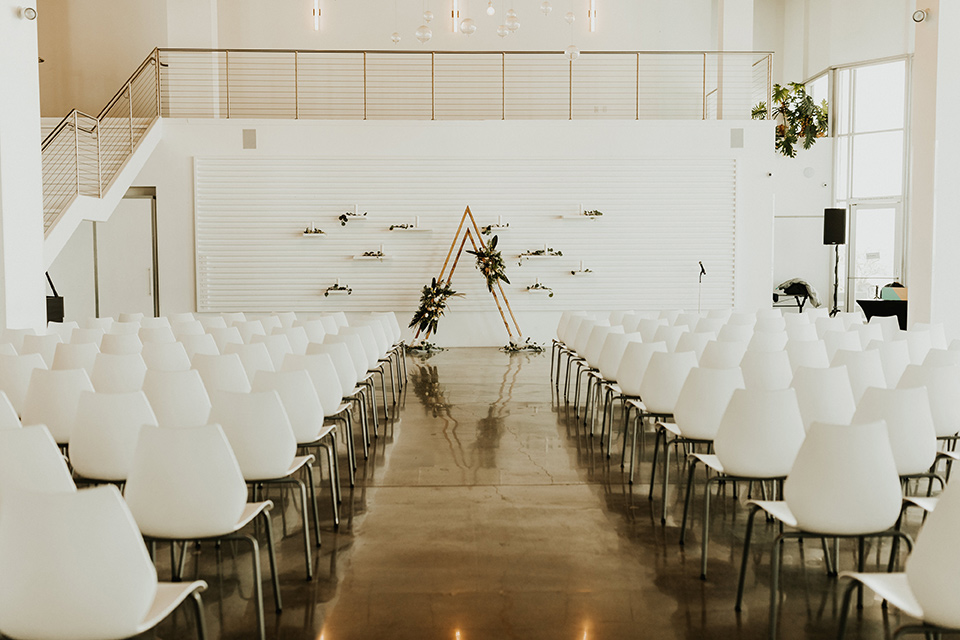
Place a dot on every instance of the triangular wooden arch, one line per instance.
(472, 233)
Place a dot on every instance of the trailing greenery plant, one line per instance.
(433, 302)
(490, 263)
(800, 119)
(526, 345)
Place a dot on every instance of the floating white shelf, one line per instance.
(411, 229)
(362, 257)
(579, 216)
(314, 235)
(580, 272)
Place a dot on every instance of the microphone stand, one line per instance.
(836, 279)
(703, 272)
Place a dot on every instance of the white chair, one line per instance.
(659, 390)
(767, 341)
(211, 322)
(204, 344)
(184, 316)
(45, 345)
(824, 395)
(941, 358)
(103, 324)
(330, 325)
(731, 332)
(80, 336)
(52, 399)
(15, 337)
(297, 336)
(771, 324)
(233, 317)
(161, 335)
(929, 588)
(255, 357)
(120, 343)
(894, 358)
(801, 332)
(303, 407)
(938, 337)
(118, 373)
(30, 459)
(124, 327)
(695, 342)
(889, 326)
(105, 433)
(269, 323)
(65, 329)
(919, 342)
(224, 336)
(868, 333)
(75, 356)
(943, 390)
(286, 318)
(864, 368)
(758, 439)
(837, 340)
(262, 439)
(723, 354)
(170, 464)
(75, 567)
(222, 373)
(151, 322)
(700, 404)
(15, 372)
(766, 370)
(669, 335)
(825, 324)
(909, 426)
(7, 349)
(647, 327)
(843, 484)
(807, 353)
(277, 346)
(165, 356)
(187, 328)
(250, 328)
(8, 415)
(178, 398)
(130, 317)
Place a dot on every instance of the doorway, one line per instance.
(875, 250)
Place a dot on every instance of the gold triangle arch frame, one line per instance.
(472, 233)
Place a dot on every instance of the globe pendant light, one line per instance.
(490, 8)
(423, 33)
(570, 17)
(468, 26)
(395, 37)
(427, 16)
(572, 53)
(545, 7)
(503, 31)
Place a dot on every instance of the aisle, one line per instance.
(481, 521)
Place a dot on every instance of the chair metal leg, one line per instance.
(775, 586)
(704, 542)
(258, 578)
(273, 563)
(845, 609)
(745, 558)
(666, 476)
(313, 500)
(198, 612)
(686, 500)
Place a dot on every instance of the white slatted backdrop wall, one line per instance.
(661, 216)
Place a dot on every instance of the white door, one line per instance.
(875, 250)
(124, 259)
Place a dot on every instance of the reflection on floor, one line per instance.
(487, 511)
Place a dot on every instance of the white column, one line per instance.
(22, 285)
(934, 225)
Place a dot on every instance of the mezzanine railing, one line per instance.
(83, 153)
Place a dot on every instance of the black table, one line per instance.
(885, 308)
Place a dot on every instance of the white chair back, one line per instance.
(75, 356)
(120, 343)
(824, 394)
(636, 357)
(204, 344)
(324, 375)
(178, 398)
(808, 353)
(258, 430)
(703, 399)
(766, 370)
(52, 399)
(760, 433)
(299, 398)
(933, 568)
(118, 373)
(30, 459)
(864, 368)
(723, 354)
(222, 373)
(15, 373)
(663, 379)
(105, 435)
(909, 425)
(165, 356)
(45, 345)
(943, 390)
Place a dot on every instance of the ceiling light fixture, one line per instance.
(455, 16)
(27, 12)
(545, 7)
(592, 14)
(490, 8)
(920, 15)
(316, 15)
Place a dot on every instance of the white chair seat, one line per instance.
(711, 460)
(321, 434)
(779, 509)
(250, 511)
(170, 595)
(892, 587)
(925, 503)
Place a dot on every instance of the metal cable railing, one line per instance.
(461, 85)
(83, 154)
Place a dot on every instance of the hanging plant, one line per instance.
(490, 263)
(799, 118)
(433, 302)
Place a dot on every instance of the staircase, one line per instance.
(90, 161)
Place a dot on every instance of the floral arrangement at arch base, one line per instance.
(801, 120)
(490, 263)
(433, 302)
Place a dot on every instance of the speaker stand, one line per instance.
(836, 279)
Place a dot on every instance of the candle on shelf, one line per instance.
(417, 221)
(579, 208)
(581, 265)
(381, 249)
(312, 226)
(356, 209)
(337, 283)
(544, 247)
(499, 221)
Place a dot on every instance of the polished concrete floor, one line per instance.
(485, 511)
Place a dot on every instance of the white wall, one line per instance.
(803, 188)
(171, 170)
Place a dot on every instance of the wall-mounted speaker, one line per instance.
(834, 226)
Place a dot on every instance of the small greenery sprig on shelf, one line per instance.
(547, 251)
(313, 230)
(346, 215)
(487, 230)
(539, 286)
(581, 270)
(490, 263)
(593, 213)
(337, 287)
(374, 254)
(404, 225)
(433, 302)
(520, 347)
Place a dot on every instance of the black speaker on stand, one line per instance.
(835, 233)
